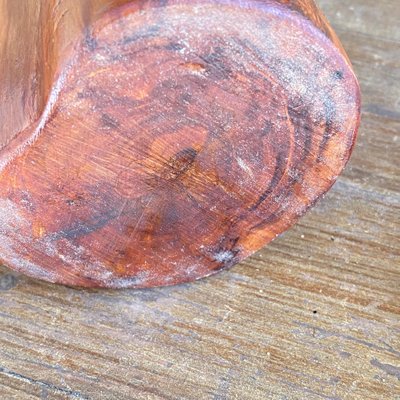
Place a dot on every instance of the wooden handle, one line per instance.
(155, 142)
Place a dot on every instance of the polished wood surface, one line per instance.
(315, 315)
(178, 137)
(35, 38)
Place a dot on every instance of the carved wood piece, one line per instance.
(166, 140)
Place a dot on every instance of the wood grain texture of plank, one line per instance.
(315, 315)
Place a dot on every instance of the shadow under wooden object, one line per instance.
(150, 143)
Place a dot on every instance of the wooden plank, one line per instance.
(377, 20)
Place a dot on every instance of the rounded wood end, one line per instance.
(182, 137)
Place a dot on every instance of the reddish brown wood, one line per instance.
(176, 138)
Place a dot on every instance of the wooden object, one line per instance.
(157, 142)
(314, 315)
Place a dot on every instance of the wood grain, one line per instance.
(314, 315)
(179, 137)
(35, 40)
